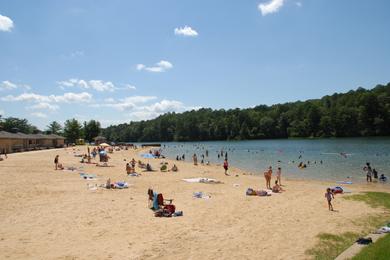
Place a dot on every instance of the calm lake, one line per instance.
(342, 159)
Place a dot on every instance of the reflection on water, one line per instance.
(341, 159)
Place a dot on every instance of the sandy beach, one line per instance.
(48, 214)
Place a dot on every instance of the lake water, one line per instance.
(342, 159)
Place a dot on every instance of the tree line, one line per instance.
(356, 113)
(72, 129)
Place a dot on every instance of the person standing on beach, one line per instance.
(279, 176)
(195, 159)
(329, 196)
(368, 171)
(268, 176)
(226, 167)
(56, 161)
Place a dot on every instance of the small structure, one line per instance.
(99, 140)
(19, 142)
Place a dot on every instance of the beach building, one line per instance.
(19, 142)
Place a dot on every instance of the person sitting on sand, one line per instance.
(329, 196)
(277, 188)
(268, 176)
(128, 168)
(174, 168)
(148, 167)
(133, 162)
(141, 164)
(108, 183)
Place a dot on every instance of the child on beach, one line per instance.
(329, 196)
(226, 167)
(279, 175)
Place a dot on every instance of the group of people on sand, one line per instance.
(130, 167)
(278, 182)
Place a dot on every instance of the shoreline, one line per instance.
(52, 214)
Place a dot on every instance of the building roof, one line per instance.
(8, 135)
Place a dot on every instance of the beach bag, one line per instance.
(364, 241)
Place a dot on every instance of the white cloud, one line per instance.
(160, 66)
(186, 31)
(127, 87)
(126, 104)
(2, 112)
(97, 85)
(159, 108)
(8, 85)
(39, 114)
(69, 97)
(46, 106)
(6, 24)
(299, 4)
(73, 55)
(270, 7)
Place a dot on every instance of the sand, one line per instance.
(48, 214)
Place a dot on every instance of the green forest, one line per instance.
(355, 113)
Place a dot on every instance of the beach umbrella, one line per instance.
(105, 144)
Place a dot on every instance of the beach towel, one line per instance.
(121, 185)
(201, 195)
(201, 180)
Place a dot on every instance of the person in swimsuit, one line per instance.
(329, 196)
(268, 176)
(279, 175)
(226, 167)
(56, 161)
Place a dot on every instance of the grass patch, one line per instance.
(374, 199)
(380, 250)
(331, 245)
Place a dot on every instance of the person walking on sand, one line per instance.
(268, 176)
(279, 176)
(56, 161)
(329, 196)
(226, 167)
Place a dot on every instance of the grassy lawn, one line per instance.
(331, 245)
(380, 250)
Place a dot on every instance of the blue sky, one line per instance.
(117, 61)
